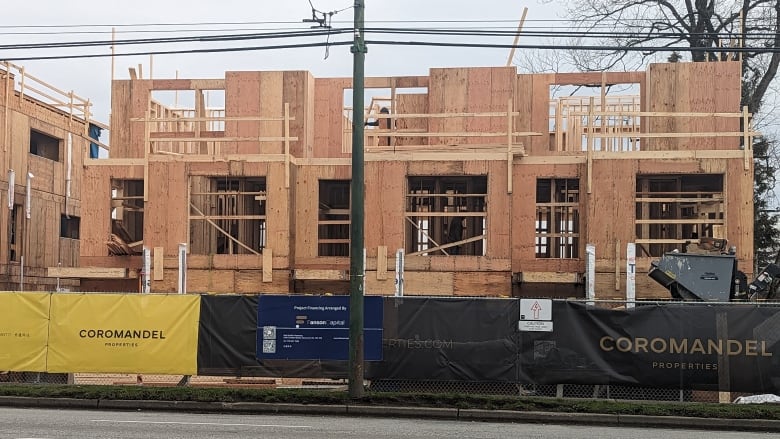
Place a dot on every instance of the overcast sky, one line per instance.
(90, 78)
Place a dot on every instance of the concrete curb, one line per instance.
(454, 414)
(403, 412)
(26, 401)
(538, 417)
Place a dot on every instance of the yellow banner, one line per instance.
(124, 333)
(24, 327)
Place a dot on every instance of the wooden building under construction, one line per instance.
(490, 182)
(45, 135)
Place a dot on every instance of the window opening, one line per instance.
(446, 215)
(333, 224)
(69, 226)
(673, 210)
(127, 217)
(44, 145)
(557, 218)
(227, 215)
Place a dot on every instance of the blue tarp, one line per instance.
(94, 134)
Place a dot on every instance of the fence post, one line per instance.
(590, 273)
(630, 275)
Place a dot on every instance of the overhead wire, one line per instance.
(309, 33)
(326, 31)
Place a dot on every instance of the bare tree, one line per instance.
(699, 30)
(705, 28)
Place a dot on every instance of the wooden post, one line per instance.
(509, 153)
(589, 152)
(70, 108)
(381, 262)
(603, 120)
(630, 275)
(147, 147)
(6, 113)
(286, 145)
(21, 85)
(746, 140)
(268, 269)
(558, 124)
(590, 273)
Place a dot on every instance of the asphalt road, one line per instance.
(20, 423)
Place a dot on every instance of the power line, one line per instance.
(202, 38)
(188, 51)
(310, 33)
(410, 43)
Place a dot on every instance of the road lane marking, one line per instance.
(202, 423)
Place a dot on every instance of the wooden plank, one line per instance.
(321, 274)
(268, 274)
(416, 283)
(550, 277)
(480, 284)
(381, 262)
(91, 272)
(159, 259)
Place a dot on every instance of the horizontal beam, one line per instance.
(314, 274)
(549, 277)
(91, 272)
(221, 139)
(680, 221)
(447, 214)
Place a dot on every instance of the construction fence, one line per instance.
(660, 351)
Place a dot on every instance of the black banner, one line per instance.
(682, 346)
(227, 342)
(452, 339)
(727, 348)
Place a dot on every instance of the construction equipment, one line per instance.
(706, 271)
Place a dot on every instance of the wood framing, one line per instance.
(490, 183)
(45, 138)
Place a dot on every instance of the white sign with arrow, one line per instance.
(535, 315)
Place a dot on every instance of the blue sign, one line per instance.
(314, 328)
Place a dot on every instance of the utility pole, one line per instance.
(356, 238)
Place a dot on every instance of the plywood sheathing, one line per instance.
(130, 100)
(278, 211)
(263, 94)
(610, 209)
(329, 118)
(40, 241)
(470, 90)
(677, 87)
(166, 212)
(416, 103)
(385, 202)
(738, 184)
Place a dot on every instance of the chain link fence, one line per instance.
(599, 392)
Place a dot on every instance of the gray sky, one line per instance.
(90, 78)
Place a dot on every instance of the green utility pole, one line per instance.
(356, 245)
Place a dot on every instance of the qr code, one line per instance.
(269, 332)
(269, 346)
